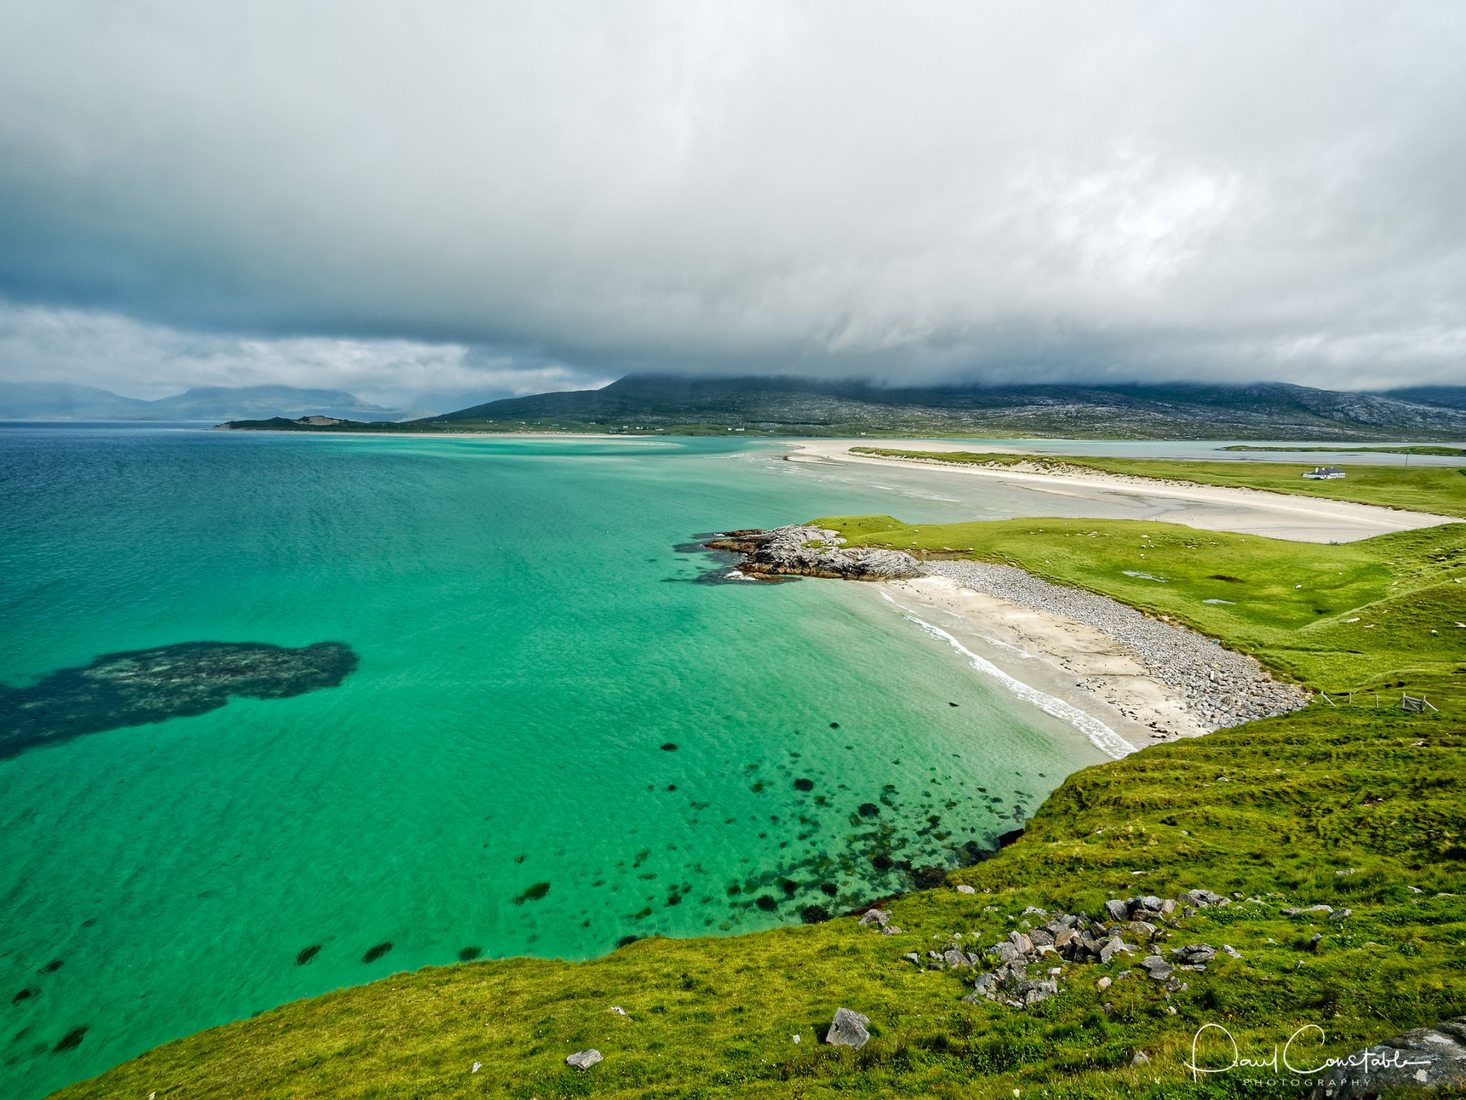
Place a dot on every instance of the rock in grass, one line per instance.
(584, 1059)
(848, 1029)
(1203, 899)
(1426, 1058)
(1156, 967)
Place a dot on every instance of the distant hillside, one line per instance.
(788, 406)
(56, 401)
(1450, 397)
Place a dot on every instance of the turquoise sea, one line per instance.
(557, 733)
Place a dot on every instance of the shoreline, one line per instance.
(1205, 507)
(1126, 680)
(1122, 678)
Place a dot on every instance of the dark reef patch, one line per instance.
(375, 953)
(25, 994)
(468, 954)
(306, 954)
(172, 681)
(70, 1041)
(669, 747)
(537, 891)
(52, 966)
(803, 784)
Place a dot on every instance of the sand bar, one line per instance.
(1205, 507)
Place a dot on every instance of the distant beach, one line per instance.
(1207, 508)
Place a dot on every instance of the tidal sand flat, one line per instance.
(553, 736)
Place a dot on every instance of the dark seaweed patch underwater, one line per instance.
(171, 681)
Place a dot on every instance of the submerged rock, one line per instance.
(150, 685)
(70, 1041)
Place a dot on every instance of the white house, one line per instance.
(1324, 473)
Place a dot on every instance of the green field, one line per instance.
(1344, 448)
(1349, 806)
(1437, 489)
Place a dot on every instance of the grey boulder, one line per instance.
(848, 1029)
(1426, 1058)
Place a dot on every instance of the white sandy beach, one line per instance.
(1208, 508)
(1064, 660)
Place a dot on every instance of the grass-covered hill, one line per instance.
(1349, 806)
(813, 407)
(795, 406)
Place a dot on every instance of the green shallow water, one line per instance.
(529, 638)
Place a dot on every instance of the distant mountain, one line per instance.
(55, 401)
(790, 406)
(1450, 397)
(58, 401)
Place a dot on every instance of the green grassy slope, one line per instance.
(1438, 489)
(1344, 806)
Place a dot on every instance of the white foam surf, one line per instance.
(1100, 735)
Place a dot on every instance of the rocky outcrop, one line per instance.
(1128, 927)
(1426, 1058)
(807, 551)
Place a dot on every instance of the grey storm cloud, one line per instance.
(916, 191)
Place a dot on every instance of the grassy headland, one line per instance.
(1438, 489)
(1349, 807)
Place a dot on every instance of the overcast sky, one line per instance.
(400, 198)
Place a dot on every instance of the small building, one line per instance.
(1324, 473)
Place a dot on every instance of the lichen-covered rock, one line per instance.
(1426, 1058)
